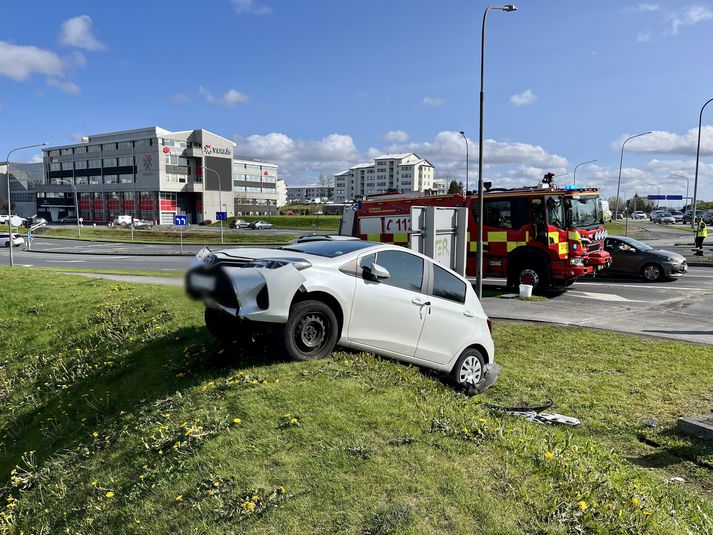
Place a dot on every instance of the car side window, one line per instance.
(405, 270)
(448, 286)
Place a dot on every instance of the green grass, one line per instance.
(119, 414)
(164, 236)
(296, 222)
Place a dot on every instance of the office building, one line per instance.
(23, 177)
(254, 187)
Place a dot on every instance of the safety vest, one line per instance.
(701, 231)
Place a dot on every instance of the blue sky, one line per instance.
(318, 85)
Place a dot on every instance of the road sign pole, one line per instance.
(181, 227)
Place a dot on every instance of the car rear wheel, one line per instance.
(652, 272)
(469, 371)
(222, 326)
(310, 332)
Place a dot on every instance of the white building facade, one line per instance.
(309, 193)
(254, 187)
(281, 193)
(389, 173)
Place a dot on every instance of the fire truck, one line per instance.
(545, 235)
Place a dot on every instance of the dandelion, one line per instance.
(583, 505)
(635, 501)
(294, 420)
(281, 490)
(179, 498)
(549, 456)
(236, 420)
(216, 483)
(110, 494)
(95, 434)
(93, 483)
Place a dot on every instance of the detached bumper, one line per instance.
(491, 373)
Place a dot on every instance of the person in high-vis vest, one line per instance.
(701, 234)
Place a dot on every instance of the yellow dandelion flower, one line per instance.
(179, 498)
(95, 434)
(93, 483)
(236, 420)
(216, 483)
(294, 420)
(635, 501)
(549, 456)
(110, 494)
(583, 505)
(188, 431)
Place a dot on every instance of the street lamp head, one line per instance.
(509, 7)
(462, 133)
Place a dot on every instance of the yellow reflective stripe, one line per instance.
(573, 235)
(514, 244)
(373, 237)
(497, 237)
(555, 236)
(401, 237)
(563, 248)
(473, 246)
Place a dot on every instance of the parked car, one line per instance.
(677, 216)
(239, 223)
(68, 219)
(687, 215)
(17, 240)
(656, 214)
(323, 237)
(663, 217)
(632, 257)
(38, 221)
(260, 225)
(142, 223)
(310, 297)
(707, 216)
(638, 215)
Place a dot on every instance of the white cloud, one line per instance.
(395, 136)
(641, 8)
(689, 16)
(524, 98)
(179, 98)
(18, 62)
(643, 37)
(663, 142)
(64, 85)
(229, 99)
(432, 101)
(77, 32)
(250, 6)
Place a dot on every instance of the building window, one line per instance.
(67, 166)
(53, 152)
(55, 167)
(94, 148)
(126, 178)
(125, 145)
(65, 151)
(126, 161)
(95, 164)
(95, 179)
(80, 164)
(82, 180)
(80, 150)
(109, 162)
(111, 179)
(109, 146)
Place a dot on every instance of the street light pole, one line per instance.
(698, 157)
(9, 200)
(76, 203)
(621, 161)
(467, 166)
(479, 252)
(658, 190)
(574, 181)
(220, 199)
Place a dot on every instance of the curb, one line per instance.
(110, 254)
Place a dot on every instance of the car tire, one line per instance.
(311, 331)
(222, 326)
(469, 371)
(652, 272)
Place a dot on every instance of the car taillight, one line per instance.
(490, 325)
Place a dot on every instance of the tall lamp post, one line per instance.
(76, 203)
(479, 252)
(574, 180)
(687, 184)
(220, 199)
(658, 190)
(621, 162)
(9, 200)
(462, 133)
(698, 157)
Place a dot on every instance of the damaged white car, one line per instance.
(368, 296)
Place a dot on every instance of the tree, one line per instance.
(455, 187)
(327, 181)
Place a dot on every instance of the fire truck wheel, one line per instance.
(310, 332)
(222, 326)
(652, 272)
(532, 274)
(468, 372)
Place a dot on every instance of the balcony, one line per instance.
(192, 152)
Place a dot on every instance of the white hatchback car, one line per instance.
(368, 296)
(17, 240)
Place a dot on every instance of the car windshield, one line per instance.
(583, 211)
(641, 246)
(329, 249)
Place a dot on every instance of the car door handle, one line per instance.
(420, 302)
(469, 313)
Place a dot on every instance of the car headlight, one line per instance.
(276, 263)
(577, 261)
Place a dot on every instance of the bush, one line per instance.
(206, 222)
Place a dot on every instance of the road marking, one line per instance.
(604, 297)
(641, 286)
(67, 261)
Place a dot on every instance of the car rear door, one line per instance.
(388, 314)
(451, 321)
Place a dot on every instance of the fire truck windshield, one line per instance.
(583, 211)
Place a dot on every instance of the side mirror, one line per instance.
(374, 272)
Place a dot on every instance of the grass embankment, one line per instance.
(119, 414)
(296, 222)
(156, 235)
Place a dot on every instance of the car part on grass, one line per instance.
(534, 408)
(546, 418)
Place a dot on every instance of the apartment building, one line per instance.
(23, 176)
(309, 193)
(152, 173)
(390, 172)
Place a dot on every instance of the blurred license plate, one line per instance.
(202, 282)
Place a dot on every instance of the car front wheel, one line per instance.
(469, 371)
(652, 272)
(310, 332)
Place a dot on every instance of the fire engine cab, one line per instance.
(542, 235)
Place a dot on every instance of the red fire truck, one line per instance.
(542, 235)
